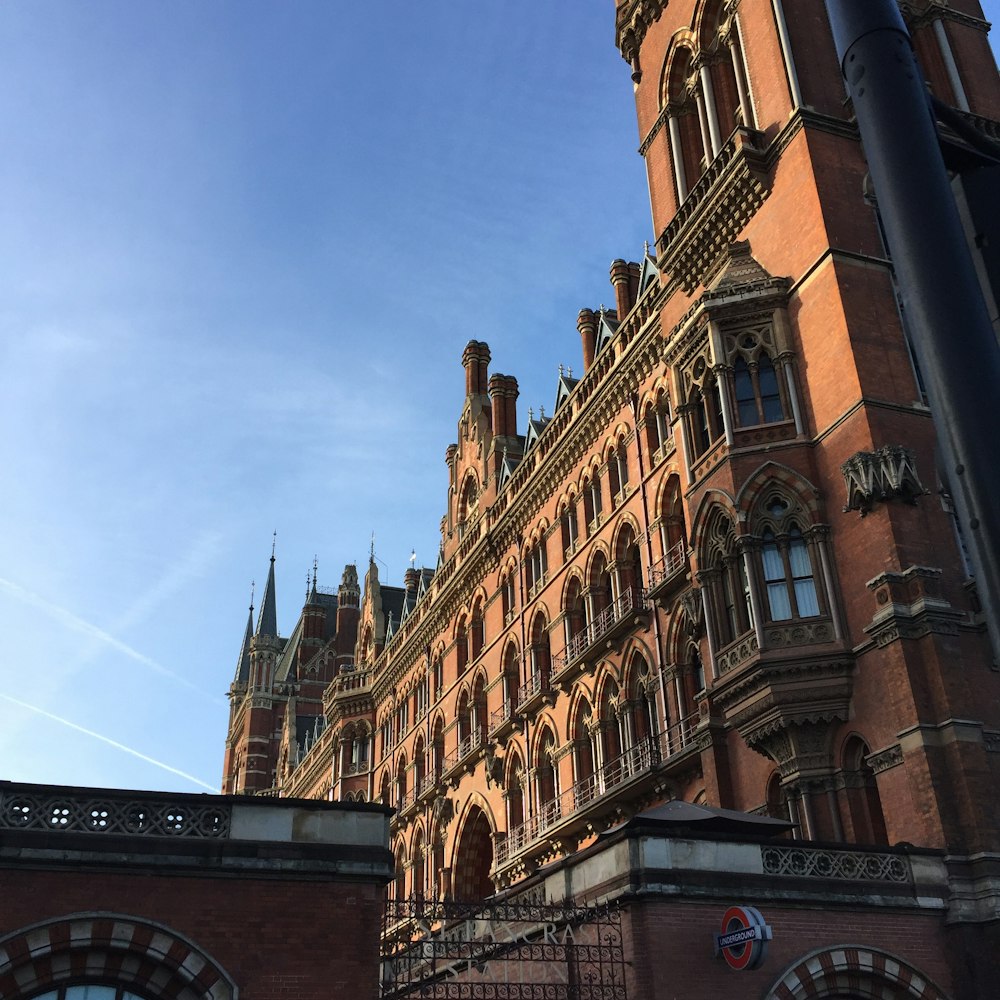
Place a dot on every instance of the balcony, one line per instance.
(612, 620)
(407, 802)
(462, 754)
(578, 804)
(502, 721)
(535, 692)
(427, 785)
(668, 571)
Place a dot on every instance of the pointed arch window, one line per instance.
(658, 427)
(567, 523)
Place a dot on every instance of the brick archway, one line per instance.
(111, 948)
(849, 971)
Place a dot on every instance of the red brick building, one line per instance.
(188, 897)
(724, 570)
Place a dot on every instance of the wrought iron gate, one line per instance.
(501, 951)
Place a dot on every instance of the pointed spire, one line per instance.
(243, 663)
(267, 623)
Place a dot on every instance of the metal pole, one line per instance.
(946, 315)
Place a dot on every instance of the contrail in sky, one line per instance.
(72, 621)
(111, 742)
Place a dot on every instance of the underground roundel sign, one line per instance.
(743, 940)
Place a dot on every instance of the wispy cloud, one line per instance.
(110, 742)
(206, 548)
(77, 624)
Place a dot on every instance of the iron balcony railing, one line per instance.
(628, 602)
(674, 561)
(644, 756)
(499, 717)
(465, 748)
(536, 684)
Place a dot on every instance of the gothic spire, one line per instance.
(267, 623)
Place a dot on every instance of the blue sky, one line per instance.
(243, 245)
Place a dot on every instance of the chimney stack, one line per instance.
(626, 286)
(498, 384)
(503, 393)
(476, 360)
(586, 323)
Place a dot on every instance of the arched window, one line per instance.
(508, 596)
(618, 472)
(511, 679)
(673, 535)
(574, 613)
(627, 562)
(477, 631)
(536, 564)
(703, 410)
(419, 887)
(540, 652)
(547, 777)
(583, 754)
(864, 806)
(419, 764)
(611, 738)
(592, 503)
(657, 422)
(599, 587)
(514, 791)
(729, 586)
(568, 526)
(462, 646)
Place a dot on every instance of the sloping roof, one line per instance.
(649, 272)
(267, 623)
(287, 668)
(243, 663)
(606, 327)
(566, 385)
(392, 604)
(676, 815)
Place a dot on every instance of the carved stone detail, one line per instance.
(799, 634)
(881, 476)
(737, 654)
(883, 760)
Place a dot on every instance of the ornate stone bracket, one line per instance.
(881, 476)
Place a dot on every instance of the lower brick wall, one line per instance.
(277, 938)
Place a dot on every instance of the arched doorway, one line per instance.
(474, 858)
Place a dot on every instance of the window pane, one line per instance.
(805, 598)
(777, 598)
(774, 569)
(769, 396)
(798, 556)
(745, 402)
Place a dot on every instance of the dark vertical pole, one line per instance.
(946, 315)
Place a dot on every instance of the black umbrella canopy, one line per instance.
(676, 815)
